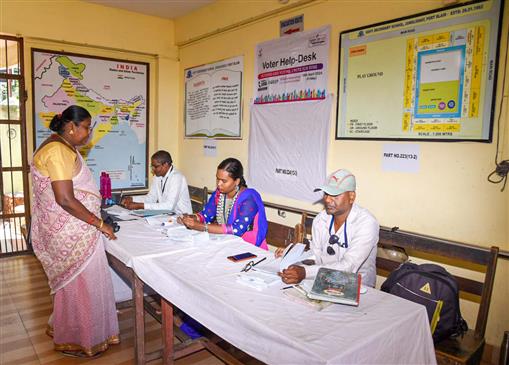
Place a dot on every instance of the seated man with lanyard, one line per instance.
(345, 236)
(169, 189)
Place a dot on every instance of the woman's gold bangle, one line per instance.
(101, 225)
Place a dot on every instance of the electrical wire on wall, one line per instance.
(502, 167)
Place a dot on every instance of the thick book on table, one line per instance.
(336, 286)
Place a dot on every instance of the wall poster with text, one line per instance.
(213, 97)
(292, 68)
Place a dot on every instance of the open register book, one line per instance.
(336, 286)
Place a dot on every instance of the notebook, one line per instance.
(336, 286)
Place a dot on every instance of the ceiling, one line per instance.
(169, 9)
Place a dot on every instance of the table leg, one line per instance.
(139, 321)
(167, 331)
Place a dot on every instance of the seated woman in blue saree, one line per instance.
(233, 208)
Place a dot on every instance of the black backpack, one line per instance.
(432, 286)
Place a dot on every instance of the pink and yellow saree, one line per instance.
(72, 254)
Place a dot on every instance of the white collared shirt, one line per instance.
(168, 192)
(362, 231)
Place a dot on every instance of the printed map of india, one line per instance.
(114, 93)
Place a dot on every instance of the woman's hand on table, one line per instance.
(107, 231)
(189, 221)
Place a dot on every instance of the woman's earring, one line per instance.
(237, 188)
(71, 132)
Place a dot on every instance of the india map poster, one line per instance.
(213, 99)
(115, 93)
(430, 76)
(292, 68)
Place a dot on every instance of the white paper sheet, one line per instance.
(162, 221)
(401, 157)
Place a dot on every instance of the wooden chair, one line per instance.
(279, 235)
(307, 223)
(469, 348)
(199, 197)
(306, 218)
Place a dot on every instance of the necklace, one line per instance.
(224, 208)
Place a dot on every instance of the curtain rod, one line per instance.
(272, 13)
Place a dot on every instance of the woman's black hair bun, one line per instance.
(56, 123)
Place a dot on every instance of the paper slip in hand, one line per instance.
(292, 254)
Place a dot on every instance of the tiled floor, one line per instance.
(25, 305)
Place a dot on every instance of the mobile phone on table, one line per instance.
(241, 257)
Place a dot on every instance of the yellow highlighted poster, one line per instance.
(429, 76)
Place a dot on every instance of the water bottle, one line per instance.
(102, 185)
(108, 187)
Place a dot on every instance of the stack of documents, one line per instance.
(118, 211)
(299, 293)
(151, 212)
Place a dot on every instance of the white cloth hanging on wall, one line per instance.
(288, 148)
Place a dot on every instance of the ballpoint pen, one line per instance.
(256, 263)
(287, 287)
(288, 250)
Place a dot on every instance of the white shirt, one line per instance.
(362, 230)
(168, 192)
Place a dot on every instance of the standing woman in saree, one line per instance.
(233, 208)
(66, 237)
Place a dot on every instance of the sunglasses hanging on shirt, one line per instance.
(334, 239)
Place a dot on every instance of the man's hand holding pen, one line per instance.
(293, 275)
(128, 202)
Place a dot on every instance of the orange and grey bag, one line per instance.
(435, 288)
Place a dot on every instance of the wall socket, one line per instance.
(281, 213)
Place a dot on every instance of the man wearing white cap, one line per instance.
(345, 235)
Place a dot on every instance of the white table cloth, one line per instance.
(137, 238)
(383, 329)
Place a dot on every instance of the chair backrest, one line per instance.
(450, 253)
(198, 197)
(279, 235)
